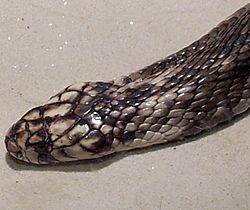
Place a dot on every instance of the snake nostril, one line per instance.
(19, 154)
(10, 141)
(11, 145)
(7, 138)
(11, 134)
(12, 148)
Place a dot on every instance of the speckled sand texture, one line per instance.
(47, 45)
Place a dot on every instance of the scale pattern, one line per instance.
(193, 90)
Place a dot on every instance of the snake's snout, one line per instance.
(16, 142)
(28, 141)
(11, 144)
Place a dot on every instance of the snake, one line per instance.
(174, 99)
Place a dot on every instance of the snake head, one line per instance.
(56, 132)
(65, 129)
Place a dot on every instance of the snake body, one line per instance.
(193, 90)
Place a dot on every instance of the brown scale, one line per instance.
(190, 91)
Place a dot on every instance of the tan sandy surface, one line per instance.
(47, 45)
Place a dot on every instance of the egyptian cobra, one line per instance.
(199, 87)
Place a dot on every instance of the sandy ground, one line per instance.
(47, 45)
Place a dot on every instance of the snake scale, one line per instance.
(197, 88)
